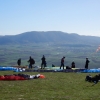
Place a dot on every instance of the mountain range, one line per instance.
(47, 37)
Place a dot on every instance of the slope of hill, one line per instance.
(49, 36)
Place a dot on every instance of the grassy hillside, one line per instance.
(9, 54)
(56, 86)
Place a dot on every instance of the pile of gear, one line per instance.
(21, 77)
(94, 79)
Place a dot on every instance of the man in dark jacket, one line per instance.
(86, 63)
(43, 62)
(62, 63)
(31, 62)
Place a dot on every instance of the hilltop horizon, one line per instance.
(48, 31)
(47, 37)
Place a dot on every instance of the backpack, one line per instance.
(33, 61)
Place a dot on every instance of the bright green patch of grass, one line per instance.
(56, 86)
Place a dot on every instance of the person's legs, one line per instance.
(61, 65)
(41, 65)
(31, 66)
(44, 65)
(86, 66)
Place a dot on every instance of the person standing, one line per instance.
(86, 63)
(62, 63)
(43, 64)
(31, 62)
(73, 64)
(19, 61)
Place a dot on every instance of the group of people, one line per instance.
(73, 64)
(31, 61)
(67, 67)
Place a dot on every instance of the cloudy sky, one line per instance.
(71, 16)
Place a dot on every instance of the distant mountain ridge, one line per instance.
(49, 36)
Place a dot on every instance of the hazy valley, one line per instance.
(54, 45)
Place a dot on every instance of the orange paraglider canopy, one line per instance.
(98, 49)
(42, 76)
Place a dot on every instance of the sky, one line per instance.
(70, 16)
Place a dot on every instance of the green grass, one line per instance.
(56, 86)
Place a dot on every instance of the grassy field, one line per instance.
(9, 54)
(56, 86)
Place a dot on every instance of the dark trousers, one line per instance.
(30, 66)
(62, 65)
(86, 66)
(43, 65)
